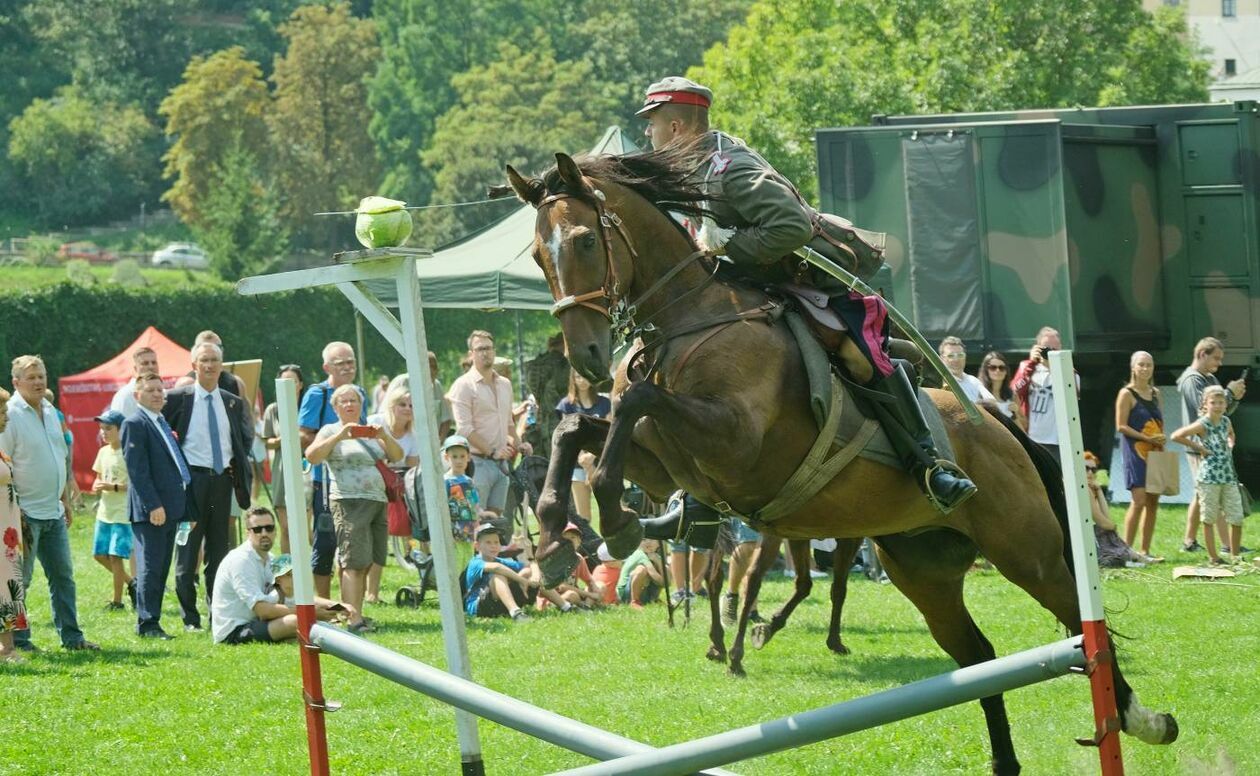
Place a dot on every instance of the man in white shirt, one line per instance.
(143, 361)
(34, 441)
(247, 606)
(954, 354)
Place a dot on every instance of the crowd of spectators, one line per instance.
(174, 469)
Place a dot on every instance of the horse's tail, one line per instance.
(1051, 477)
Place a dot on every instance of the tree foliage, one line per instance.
(240, 226)
(219, 105)
(519, 109)
(79, 161)
(424, 43)
(797, 65)
(325, 158)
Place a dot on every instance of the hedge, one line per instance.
(76, 327)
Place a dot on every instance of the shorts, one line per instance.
(741, 533)
(1219, 499)
(112, 539)
(650, 593)
(362, 532)
(491, 482)
(255, 632)
(489, 605)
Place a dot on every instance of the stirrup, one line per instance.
(954, 469)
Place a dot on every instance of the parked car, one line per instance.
(182, 256)
(92, 252)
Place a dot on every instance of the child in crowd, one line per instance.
(1112, 551)
(1212, 437)
(461, 494)
(112, 544)
(495, 585)
(593, 595)
(641, 580)
(606, 575)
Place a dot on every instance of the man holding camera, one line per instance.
(1034, 387)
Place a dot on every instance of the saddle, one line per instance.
(821, 319)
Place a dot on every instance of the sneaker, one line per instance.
(679, 596)
(190, 628)
(1244, 549)
(115, 607)
(1152, 558)
(1217, 561)
(1192, 546)
(520, 616)
(701, 593)
(83, 645)
(817, 574)
(131, 592)
(730, 609)
(362, 626)
(789, 574)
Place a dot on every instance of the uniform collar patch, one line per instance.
(720, 163)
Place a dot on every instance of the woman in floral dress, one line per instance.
(12, 596)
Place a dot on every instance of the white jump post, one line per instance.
(408, 338)
(1098, 653)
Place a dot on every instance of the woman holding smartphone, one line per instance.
(356, 493)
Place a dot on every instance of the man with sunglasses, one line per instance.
(954, 354)
(247, 606)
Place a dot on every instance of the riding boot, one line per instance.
(685, 520)
(944, 483)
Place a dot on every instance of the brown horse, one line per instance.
(721, 410)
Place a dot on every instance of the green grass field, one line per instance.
(186, 706)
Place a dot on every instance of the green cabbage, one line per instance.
(382, 223)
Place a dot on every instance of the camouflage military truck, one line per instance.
(1125, 228)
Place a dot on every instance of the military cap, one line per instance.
(675, 90)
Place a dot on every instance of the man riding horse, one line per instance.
(759, 218)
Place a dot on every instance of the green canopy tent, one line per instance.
(492, 269)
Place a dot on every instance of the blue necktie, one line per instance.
(174, 449)
(216, 453)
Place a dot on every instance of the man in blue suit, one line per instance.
(156, 499)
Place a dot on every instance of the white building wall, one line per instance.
(1236, 37)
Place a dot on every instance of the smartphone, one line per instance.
(362, 431)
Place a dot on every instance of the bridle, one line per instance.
(620, 315)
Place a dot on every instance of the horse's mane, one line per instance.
(666, 178)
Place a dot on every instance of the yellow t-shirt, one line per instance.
(111, 467)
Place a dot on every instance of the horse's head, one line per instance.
(587, 258)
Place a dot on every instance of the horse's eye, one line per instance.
(588, 241)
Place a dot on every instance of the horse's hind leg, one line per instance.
(767, 553)
(929, 570)
(1037, 565)
(799, 549)
(841, 561)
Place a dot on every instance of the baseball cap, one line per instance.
(281, 565)
(110, 418)
(675, 90)
(486, 528)
(455, 440)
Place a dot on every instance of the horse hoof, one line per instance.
(557, 563)
(625, 541)
(1171, 731)
(716, 655)
(839, 648)
(736, 671)
(761, 635)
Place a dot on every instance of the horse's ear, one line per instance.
(529, 192)
(570, 173)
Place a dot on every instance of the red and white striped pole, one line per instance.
(303, 581)
(1098, 652)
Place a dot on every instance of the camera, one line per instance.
(1045, 353)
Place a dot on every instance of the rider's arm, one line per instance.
(778, 221)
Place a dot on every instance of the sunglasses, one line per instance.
(1091, 468)
(996, 367)
(263, 528)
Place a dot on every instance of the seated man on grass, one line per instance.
(247, 605)
(641, 579)
(496, 586)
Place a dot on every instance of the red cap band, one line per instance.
(678, 98)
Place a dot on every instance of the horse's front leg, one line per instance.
(799, 550)
(710, 426)
(556, 556)
(713, 582)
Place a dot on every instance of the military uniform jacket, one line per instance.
(748, 195)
